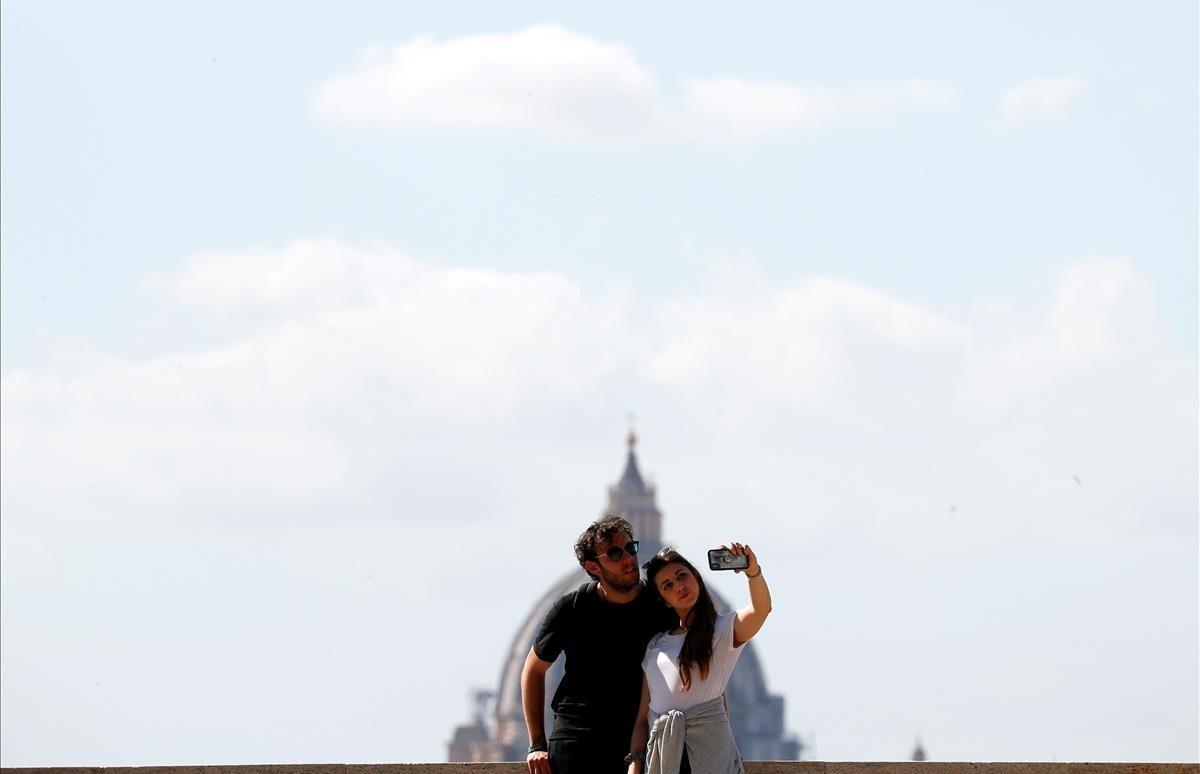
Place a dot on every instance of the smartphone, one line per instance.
(724, 559)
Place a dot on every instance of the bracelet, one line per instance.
(537, 747)
(636, 755)
(755, 575)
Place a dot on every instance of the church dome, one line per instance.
(755, 714)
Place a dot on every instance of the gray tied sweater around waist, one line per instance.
(704, 730)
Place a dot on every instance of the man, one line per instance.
(603, 628)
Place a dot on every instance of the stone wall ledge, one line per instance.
(752, 767)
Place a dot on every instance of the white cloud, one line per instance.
(738, 108)
(1040, 100)
(551, 81)
(809, 347)
(310, 274)
(349, 361)
(544, 79)
(891, 412)
(367, 382)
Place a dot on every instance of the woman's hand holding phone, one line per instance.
(744, 559)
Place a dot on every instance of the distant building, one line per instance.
(918, 753)
(499, 735)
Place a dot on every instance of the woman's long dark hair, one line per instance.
(698, 643)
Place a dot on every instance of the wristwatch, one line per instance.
(636, 755)
(537, 747)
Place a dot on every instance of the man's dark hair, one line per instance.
(599, 531)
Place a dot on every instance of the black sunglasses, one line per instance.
(615, 553)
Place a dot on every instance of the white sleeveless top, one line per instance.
(661, 665)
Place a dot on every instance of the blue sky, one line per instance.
(287, 289)
(137, 135)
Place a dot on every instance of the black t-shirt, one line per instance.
(604, 643)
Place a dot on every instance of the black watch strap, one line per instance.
(636, 755)
(538, 747)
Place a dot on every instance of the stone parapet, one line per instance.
(752, 767)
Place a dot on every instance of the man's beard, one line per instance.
(618, 580)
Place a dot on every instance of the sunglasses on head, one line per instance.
(660, 555)
(616, 553)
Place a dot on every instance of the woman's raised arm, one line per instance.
(751, 617)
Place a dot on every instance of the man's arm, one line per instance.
(641, 731)
(533, 702)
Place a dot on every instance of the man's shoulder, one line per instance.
(584, 593)
(573, 598)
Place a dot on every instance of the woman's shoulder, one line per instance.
(723, 627)
(664, 641)
(655, 641)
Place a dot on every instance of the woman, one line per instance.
(683, 712)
